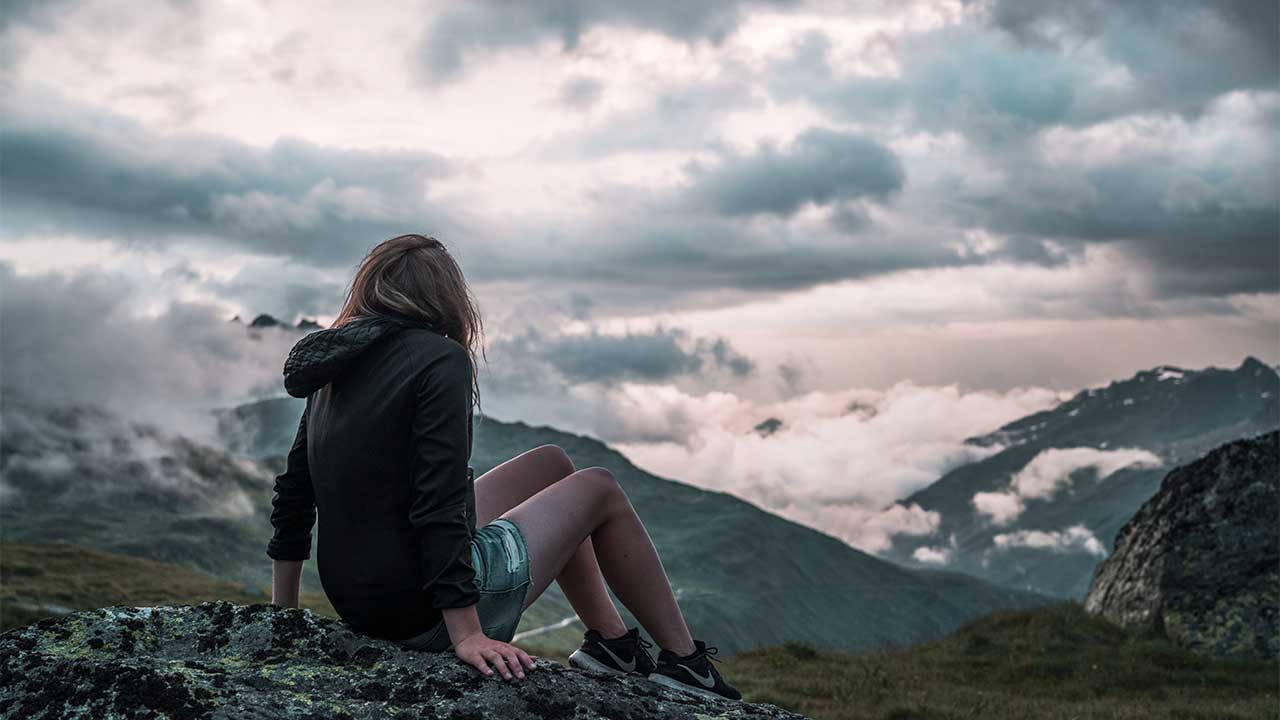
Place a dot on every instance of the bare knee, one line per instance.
(554, 459)
(602, 484)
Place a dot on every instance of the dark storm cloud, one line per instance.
(1182, 53)
(637, 250)
(473, 28)
(1207, 243)
(1194, 223)
(821, 167)
(102, 175)
(1040, 67)
(660, 355)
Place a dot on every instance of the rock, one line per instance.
(1200, 561)
(222, 660)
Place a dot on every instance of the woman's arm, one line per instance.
(286, 580)
(293, 514)
(443, 511)
(441, 493)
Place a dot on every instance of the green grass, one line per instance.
(1055, 662)
(42, 580)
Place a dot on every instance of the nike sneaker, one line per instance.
(620, 656)
(693, 673)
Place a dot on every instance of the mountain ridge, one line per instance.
(1062, 514)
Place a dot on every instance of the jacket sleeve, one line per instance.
(443, 500)
(293, 507)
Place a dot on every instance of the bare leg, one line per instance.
(591, 504)
(518, 479)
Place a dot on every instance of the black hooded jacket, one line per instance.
(381, 454)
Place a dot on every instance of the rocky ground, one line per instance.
(1200, 561)
(222, 660)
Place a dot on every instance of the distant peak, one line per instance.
(768, 426)
(1253, 363)
(265, 320)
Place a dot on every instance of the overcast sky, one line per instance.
(679, 217)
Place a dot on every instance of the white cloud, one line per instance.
(1049, 471)
(1001, 507)
(1074, 538)
(1052, 468)
(935, 555)
(838, 459)
(84, 339)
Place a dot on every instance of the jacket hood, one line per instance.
(321, 356)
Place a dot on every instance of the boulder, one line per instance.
(1200, 561)
(222, 660)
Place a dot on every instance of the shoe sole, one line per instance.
(584, 661)
(674, 684)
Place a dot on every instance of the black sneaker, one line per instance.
(620, 655)
(693, 673)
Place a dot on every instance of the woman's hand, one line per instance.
(478, 651)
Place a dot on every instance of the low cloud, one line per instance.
(1076, 538)
(935, 555)
(78, 339)
(1050, 471)
(826, 466)
(1001, 507)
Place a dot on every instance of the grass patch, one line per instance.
(44, 580)
(1056, 662)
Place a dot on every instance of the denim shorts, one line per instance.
(501, 560)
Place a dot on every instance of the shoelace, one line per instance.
(642, 646)
(712, 650)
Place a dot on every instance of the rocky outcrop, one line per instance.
(221, 660)
(1200, 561)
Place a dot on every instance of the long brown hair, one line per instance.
(414, 276)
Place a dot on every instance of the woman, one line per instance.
(412, 547)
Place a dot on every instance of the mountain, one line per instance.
(745, 578)
(80, 474)
(1044, 506)
(1200, 561)
(265, 320)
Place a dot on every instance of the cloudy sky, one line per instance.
(680, 218)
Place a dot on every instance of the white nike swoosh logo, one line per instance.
(627, 667)
(707, 681)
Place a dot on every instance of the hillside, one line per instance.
(39, 581)
(745, 578)
(1060, 483)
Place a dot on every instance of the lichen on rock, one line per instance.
(1200, 561)
(220, 660)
